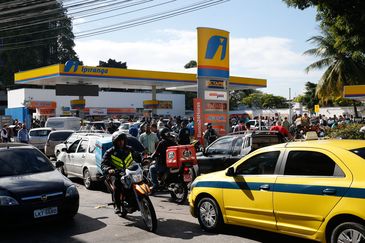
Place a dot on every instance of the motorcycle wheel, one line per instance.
(179, 193)
(148, 214)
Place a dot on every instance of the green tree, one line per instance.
(33, 34)
(310, 98)
(267, 101)
(191, 64)
(113, 64)
(343, 19)
(236, 96)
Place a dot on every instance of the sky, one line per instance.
(267, 40)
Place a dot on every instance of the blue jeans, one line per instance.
(154, 170)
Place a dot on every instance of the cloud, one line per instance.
(268, 57)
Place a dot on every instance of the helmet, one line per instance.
(209, 125)
(119, 136)
(165, 133)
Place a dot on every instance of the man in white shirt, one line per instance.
(149, 139)
(5, 134)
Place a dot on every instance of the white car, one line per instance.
(79, 159)
(38, 136)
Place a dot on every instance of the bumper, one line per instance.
(24, 214)
(191, 206)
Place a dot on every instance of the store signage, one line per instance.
(73, 66)
(215, 118)
(216, 84)
(42, 104)
(77, 104)
(98, 111)
(215, 95)
(214, 106)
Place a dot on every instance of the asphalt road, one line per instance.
(96, 222)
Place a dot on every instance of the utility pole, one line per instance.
(290, 104)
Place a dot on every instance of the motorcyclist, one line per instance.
(120, 156)
(160, 154)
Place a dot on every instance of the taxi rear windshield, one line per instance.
(359, 151)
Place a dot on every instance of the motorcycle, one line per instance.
(132, 181)
(179, 162)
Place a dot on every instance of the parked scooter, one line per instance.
(179, 162)
(132, 181)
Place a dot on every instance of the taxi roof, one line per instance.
(347, 144)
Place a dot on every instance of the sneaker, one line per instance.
(117, 210)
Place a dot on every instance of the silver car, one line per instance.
(54, 138)
(79, 159)
(38, 137)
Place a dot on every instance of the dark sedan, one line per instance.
(31, 189)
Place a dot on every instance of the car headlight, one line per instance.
(8, 201)
(137, 178)
(72, 191)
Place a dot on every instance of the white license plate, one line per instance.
(187, 177)
(38, 213)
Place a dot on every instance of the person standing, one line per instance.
(210, 135)
(5, 134)
(184, 134)
(149, 139)
(286, 123)
(23, 135)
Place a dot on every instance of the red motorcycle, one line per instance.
(179, 161)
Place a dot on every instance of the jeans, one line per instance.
(118, 189)
(154, 170)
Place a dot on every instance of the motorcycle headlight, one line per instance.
(8, 201)
(72, 191)
(137, 178)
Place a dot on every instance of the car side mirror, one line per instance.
(230, 171)
(59, 164)
(64, 149)
(236, 152)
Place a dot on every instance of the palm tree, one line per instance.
(343, 68)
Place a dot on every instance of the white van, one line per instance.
(63, 123)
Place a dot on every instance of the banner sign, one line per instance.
(216, 84)
(215, 95)
(198, 119)
(213, 106)
(164, 104)
(98, 111)
(41, 104)
(77, 104)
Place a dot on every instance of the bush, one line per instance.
(349, 131)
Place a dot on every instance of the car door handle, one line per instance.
(265, 187)
(329, 191)
(83, 157)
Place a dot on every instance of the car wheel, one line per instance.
(209, 214)
(348, 232)
(87, 179)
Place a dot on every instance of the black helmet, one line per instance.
(165, 133)
(119, 136)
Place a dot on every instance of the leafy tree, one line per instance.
(33, 34)
(267, 101)
(310, 98)
(113, 64)
(191, 64)
(344, 19)
(236, 96)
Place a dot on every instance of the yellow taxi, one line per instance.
(312, 189)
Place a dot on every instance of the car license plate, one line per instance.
(187, 177)
(38, 213)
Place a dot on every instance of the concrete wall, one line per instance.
(105, 99)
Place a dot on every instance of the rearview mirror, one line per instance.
(230, 171)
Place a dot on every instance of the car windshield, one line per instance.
(55, 124)
(359, 151)
(125, 126)
(59, 136)
(20, 161)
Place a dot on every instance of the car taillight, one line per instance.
(186, 169)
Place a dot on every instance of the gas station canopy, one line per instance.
(71, 73)
(354, 92)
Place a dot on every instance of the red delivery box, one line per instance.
(178, 155)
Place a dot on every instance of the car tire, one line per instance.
(348, 232)
(89, 184)
(209, 214)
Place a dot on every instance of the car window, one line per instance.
(309, 163)
(73, 147)
(39, 133)
(83, 146)
(238, 145)
(55, 124)
(59, 136)
(359, 151)
(92, 147)
(23, 161)
(221, 146)
(260, 164)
